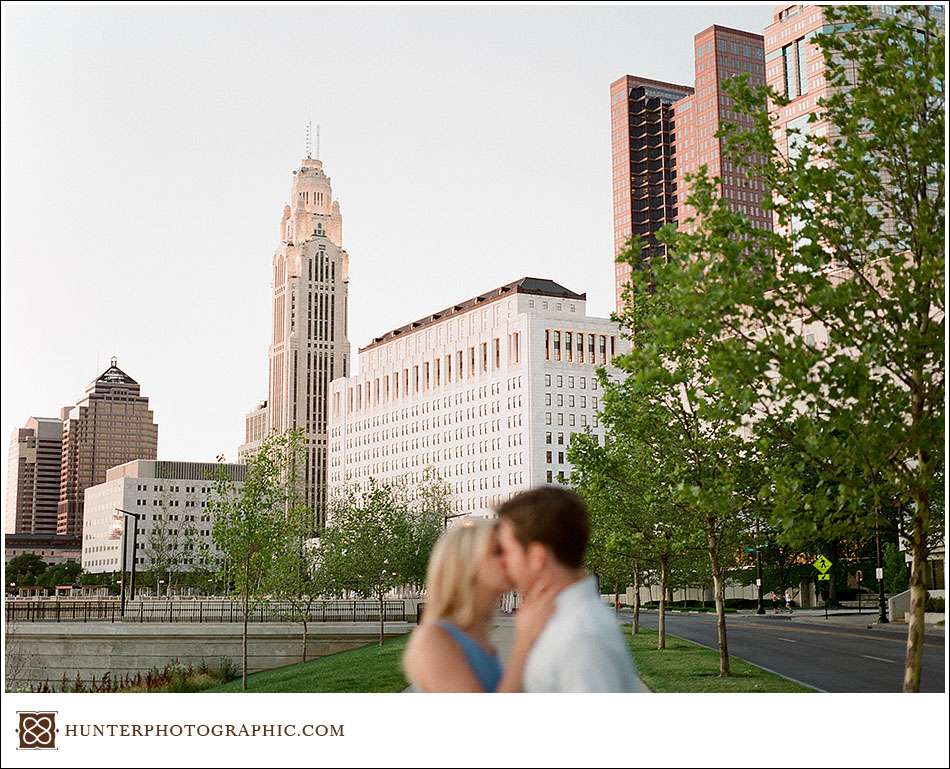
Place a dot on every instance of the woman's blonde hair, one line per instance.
(452, 572)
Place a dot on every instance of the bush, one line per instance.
(934, 604)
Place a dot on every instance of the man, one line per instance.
(543, 535)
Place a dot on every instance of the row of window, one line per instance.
(577, 349)
(430, 374)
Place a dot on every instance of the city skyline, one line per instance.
(171, 276)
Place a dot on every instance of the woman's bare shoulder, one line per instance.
(435, 663)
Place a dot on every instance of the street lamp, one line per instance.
(759, 607)
(446, 518)
(881, 603)
(125, 539)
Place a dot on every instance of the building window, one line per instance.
(547, 380)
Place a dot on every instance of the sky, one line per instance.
(148, 152)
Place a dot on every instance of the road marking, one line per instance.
(879, 659)
(901, 641)
(791, 641)
(757, 665)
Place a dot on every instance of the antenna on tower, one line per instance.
(309, 129)
(318, 141)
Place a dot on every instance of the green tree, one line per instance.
(249, 522)
(895, 570)
(380, 539)
(829, 330)
(25, 569)
(297, 579)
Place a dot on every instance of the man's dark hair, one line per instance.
(557, 518)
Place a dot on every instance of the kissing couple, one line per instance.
(566, 639)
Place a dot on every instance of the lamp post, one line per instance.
(759, 607)
(446, 518)
(881, 602)
(135, 531)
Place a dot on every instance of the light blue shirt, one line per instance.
(581, 649)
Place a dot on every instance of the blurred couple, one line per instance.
(566, 639)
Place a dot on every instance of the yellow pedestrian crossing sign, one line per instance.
(822, 564)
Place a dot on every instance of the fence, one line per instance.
(201, 611)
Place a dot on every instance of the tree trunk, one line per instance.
(616, 600)
(720, 591)
(661, 622)
(303, 650)
(382, 621)
(918, 592)
(244, 642)
(636, 600)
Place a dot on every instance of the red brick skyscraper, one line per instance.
(721, 53)
(644, 175)
(109, 426)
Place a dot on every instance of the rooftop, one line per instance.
(532, 286)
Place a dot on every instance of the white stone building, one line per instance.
(175, 523)
(486, 393)
(309, 346)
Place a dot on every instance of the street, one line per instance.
(827, 656)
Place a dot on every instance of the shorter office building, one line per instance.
(174, 524)
(33, 477)
(485, 394)
(50, 548)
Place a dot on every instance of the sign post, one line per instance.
(822, 565)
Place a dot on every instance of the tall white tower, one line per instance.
(309, 346)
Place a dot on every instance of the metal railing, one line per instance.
(77, 610)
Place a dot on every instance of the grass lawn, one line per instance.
(687, 667)
(368, 669)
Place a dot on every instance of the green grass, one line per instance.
(369, 668)
(687, 667)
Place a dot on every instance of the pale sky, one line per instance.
(148, 151)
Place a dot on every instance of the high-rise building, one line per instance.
(111, 424)
(174, 525)
(486, 394)
(721, 53)
(643, 141)
(309, 346)
(33, 477)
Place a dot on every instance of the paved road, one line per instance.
(832, 658)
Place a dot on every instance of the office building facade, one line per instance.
(485, 394)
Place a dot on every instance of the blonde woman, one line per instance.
(451, 650)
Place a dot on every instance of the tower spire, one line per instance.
(309, 129)
(318, 141)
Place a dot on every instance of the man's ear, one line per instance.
(537, 556)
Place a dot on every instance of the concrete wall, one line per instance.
(36, 651)
(899, 605)
(804, 594)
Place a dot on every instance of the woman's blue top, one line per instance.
(485, 665)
